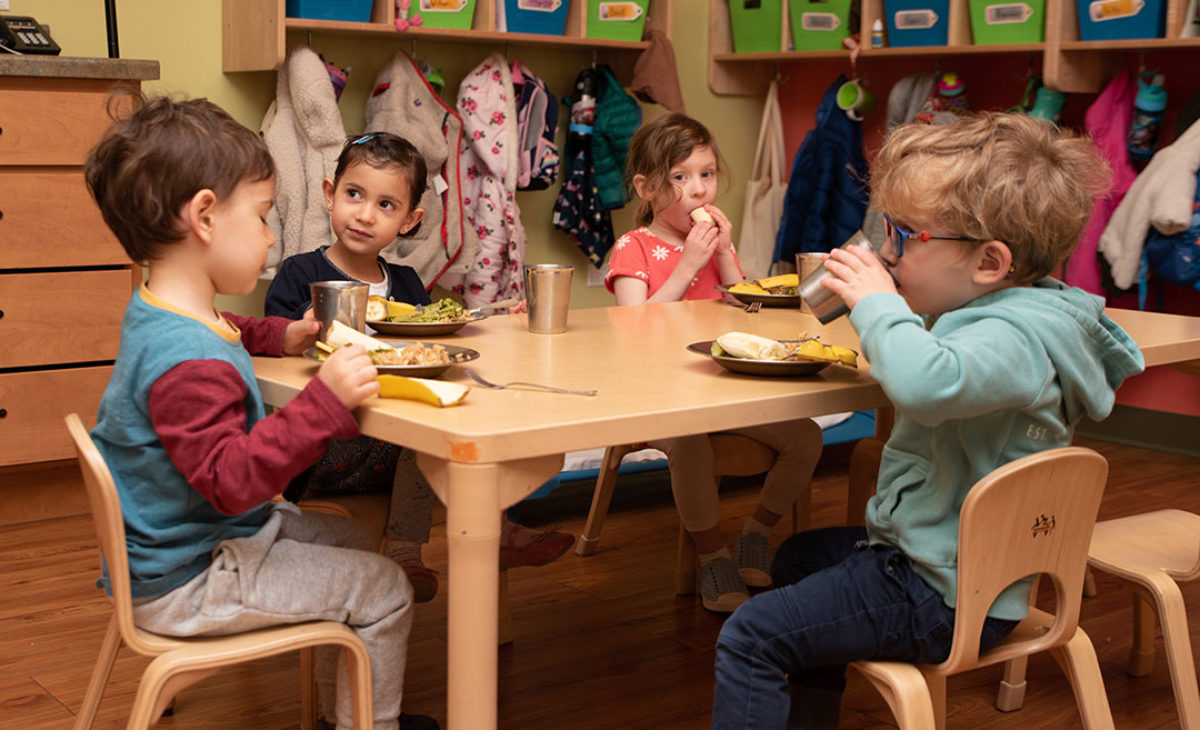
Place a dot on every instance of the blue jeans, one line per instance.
(838, 600)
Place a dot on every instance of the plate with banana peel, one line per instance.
(741, 352)
(773, 291)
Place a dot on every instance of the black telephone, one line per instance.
(23, 34)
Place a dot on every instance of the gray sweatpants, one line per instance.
(302, 566)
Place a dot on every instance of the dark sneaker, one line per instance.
(418, 722)
(752, 558)
(721, 588)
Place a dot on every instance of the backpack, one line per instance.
(537, 124)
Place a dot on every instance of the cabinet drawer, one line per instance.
(34, 404)
(48, 219)
(52, 122)
(72, 316)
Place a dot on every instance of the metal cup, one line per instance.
(806, 264)
(340, 301)
(824, 304)
(548, 291)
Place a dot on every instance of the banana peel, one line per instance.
(745, 287)
(784, 280)
(440, 393)
(819, 351)
(380, 309)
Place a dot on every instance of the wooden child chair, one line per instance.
(1032, 516)
(179, 663)
(733, 455)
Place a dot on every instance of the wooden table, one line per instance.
(499, 445)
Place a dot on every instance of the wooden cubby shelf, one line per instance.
(1068, 64)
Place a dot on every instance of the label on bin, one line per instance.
(819, 21)
(442, 6)
(1007, 13)
(915, 19)
(620, 11)
(1114, 9)
(543, 6)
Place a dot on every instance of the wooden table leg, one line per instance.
(864, 467)
(475, 495)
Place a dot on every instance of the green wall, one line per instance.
(185, 38)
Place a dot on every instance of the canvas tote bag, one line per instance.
(764, 193)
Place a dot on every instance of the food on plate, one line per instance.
(440, 393)
(413, 353)
(755, 347)
(700, 214)
(782, 284)
(443, 310)
(341, 335)
(746, 287)
(380, 309)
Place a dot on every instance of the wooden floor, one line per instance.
(601, 642)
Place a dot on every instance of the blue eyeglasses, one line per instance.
(896, 235)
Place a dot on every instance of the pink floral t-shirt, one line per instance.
(645, 256)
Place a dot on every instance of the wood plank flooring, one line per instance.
(601, 642)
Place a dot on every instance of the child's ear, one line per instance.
(640, 187)
(198, 214)
(415, 216)
(327, 188)
(993, 263)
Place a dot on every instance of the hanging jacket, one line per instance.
(827, 192)
(618, 116)
(303, 130)
(1107, 121)
(487, 103)
(537, 126)
(577, 208)
(404, 104)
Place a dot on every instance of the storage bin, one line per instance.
(1007, 21)
(917, 22)
(1101, 20)
(358, 11)
(618, 20)
(548, 17)
(456, 14)
(819, 25)
(757, 25)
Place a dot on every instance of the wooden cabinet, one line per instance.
(254, 36)
(1068, 64)
(64, 279)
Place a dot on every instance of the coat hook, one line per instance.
(308, 38)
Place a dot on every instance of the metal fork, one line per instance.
(753, 307)
(517, 384)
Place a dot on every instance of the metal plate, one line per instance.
(767, 300)
(457, 354)
(423, 329)
(776, 368)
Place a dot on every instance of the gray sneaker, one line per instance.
(752, 557)
(721, 590)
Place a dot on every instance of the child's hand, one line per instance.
(350, 375)
(301, 334)
(518, 308)
(857, 273)
(701, 243)
(724, 231)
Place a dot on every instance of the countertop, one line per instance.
(78, 68)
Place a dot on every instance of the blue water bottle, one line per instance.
(1148, 108)
(1047, 105)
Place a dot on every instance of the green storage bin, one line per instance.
(617, 20)
(456, 14)
(1007, 21)
(819, 25)
(757, 25)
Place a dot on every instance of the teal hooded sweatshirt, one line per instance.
(1007, 375)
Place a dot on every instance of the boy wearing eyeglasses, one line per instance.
(986, 359)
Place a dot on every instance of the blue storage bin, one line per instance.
(358, 11)
(917, 22)
(548, 17)
(1103, 20)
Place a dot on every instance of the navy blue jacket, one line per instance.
(288, 295)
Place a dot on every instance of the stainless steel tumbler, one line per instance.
(825, 305)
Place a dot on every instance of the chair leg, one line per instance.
(904, 689)
(589, 539)
(1089, 584)
(937, 698)
(1078, 659)
(358, 662)
(161, 681)
(1141, 654)
(1011, 694)
(864, 473)
(685, 564)
(505, 632)
(308, 690)
(104, 665)
(1172, 617)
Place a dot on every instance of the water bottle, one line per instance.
(1148, 108)
(1047, 105)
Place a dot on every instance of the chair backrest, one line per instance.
(110, 528)
(1033, 515)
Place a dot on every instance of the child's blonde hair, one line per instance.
(657, 146)
(995, 176)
